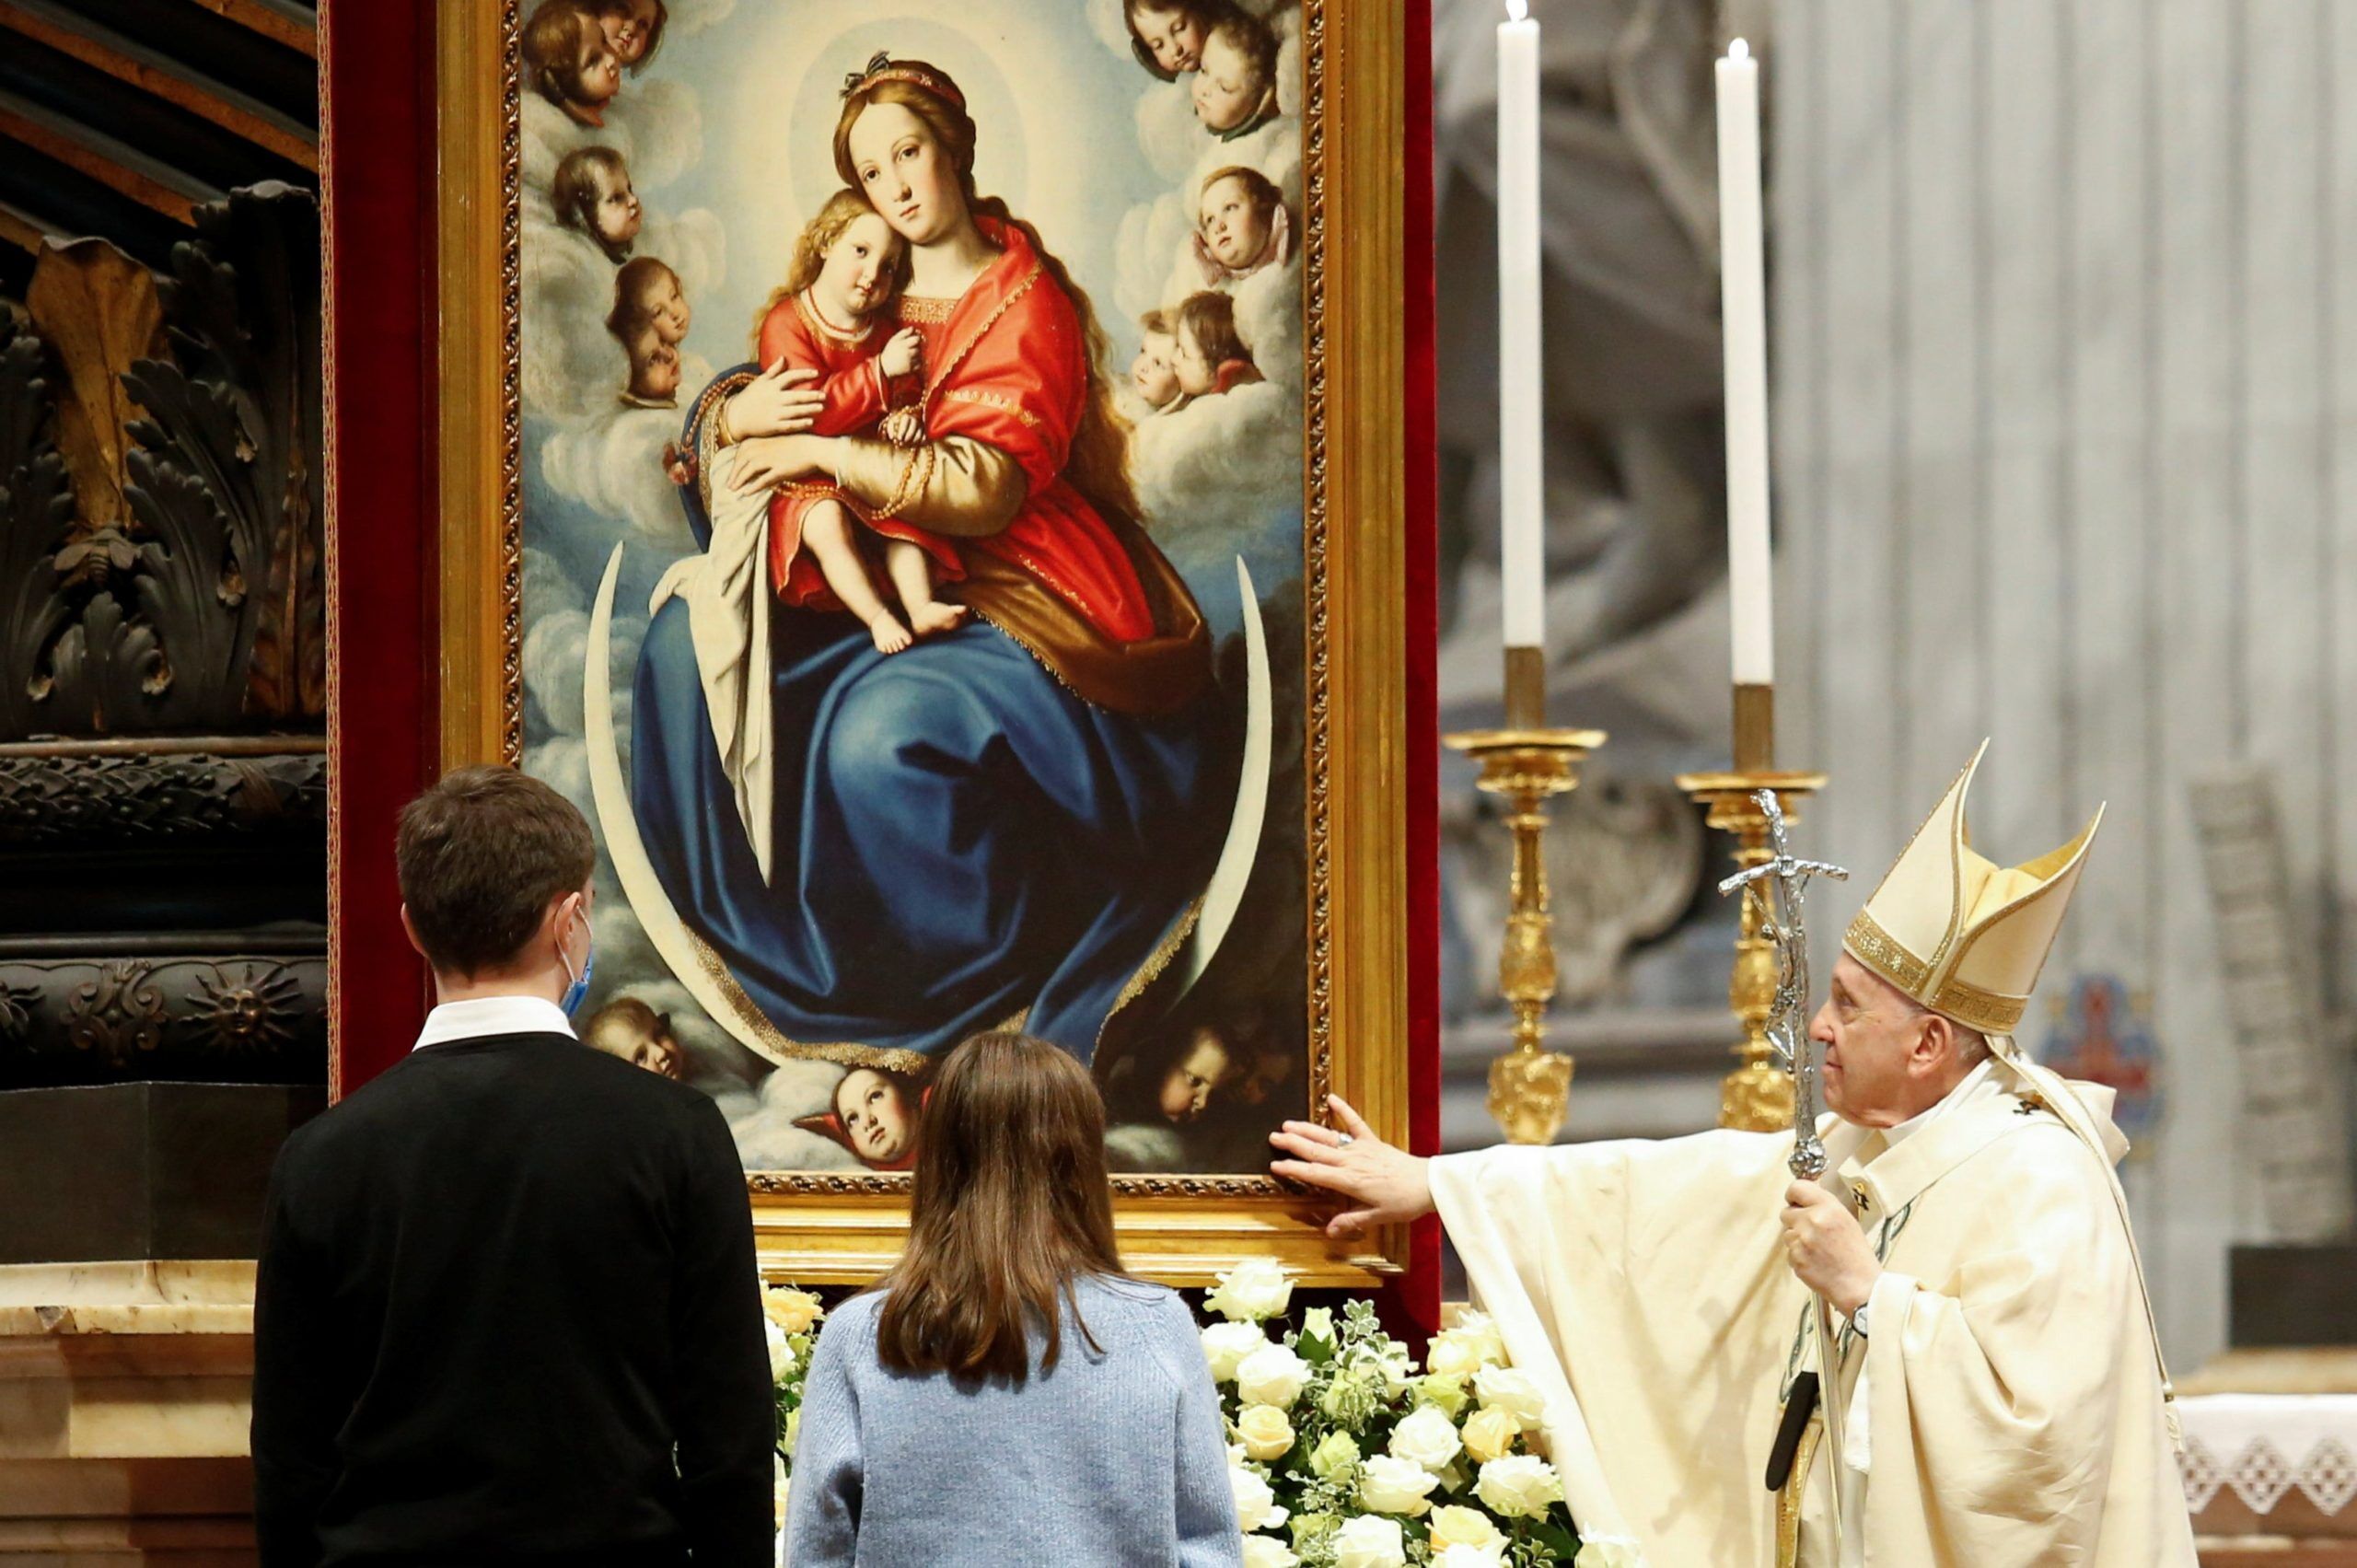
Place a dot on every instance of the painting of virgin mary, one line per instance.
(1061, 802)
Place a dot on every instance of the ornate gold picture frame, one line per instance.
(844, 1225)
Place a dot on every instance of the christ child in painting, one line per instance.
(569, 61)
(1154, 373)
(1241, 225)
(1212, 357)
(592, 194)
(634, 29)
(833, 316)
(1236, 80)
(875, 1116)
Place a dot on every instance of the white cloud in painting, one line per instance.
(657, 126)
(547, 589)
(612, 463)
(573, 367)
(691, 17)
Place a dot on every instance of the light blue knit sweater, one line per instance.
(1115, 1459)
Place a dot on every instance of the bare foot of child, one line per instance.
(889, 635)
(934, 616)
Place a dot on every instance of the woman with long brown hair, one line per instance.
(1007, 1395)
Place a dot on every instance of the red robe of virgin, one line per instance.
(1007, 364)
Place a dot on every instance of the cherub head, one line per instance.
(1167, 35)
(654, 366)
(646, 291)
(874, 1115)
(569, 61)
(634, 29)
(1257, 1076)
(592, 193)
(850, 257)
(1236, 80)
(638, 1034)
(1192, 1076)
(1210, 357)
(1152, 373)
(1241, 220)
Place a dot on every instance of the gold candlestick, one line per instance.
(1529, 764)
(1758, 1096)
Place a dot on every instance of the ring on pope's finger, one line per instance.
(1343, 1140)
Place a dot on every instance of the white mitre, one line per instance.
(1961, 934)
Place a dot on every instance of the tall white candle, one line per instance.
(1744, 326)
(1521, 412)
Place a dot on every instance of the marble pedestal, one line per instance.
(125, 1389)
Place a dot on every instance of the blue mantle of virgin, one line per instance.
(958, 837)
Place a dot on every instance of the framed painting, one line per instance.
(926, 479)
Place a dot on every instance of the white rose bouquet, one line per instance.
(1343, 1454)
(791, 1318)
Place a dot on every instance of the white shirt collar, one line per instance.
(482, 1015)
(1974, 1082)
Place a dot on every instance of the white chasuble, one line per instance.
(2005, 1408)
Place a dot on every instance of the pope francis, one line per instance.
(2002, 1399)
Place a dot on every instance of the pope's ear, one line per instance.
(1935, 1042)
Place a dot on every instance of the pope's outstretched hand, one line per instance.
(1387, 1185)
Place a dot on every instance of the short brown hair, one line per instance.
(1258, 188)
(1012, 1205)
(482, 855)
(1210, 318)
(574, 192)
(636, 276)
(552, 45)
(1251, 37)
(1156, 322)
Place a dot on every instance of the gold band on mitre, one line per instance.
(1961, 934)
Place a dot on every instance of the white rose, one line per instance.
(1504, 1388)
(1470, 1557)
(1427, 1438)
(1390, 1485)
(1267, 1551)
(1226, 1345)
(1254, 1289)
(1611, 1551)
(1366, 1541)
(1480, 1331)
(1452, 1357)
(1266, 1434)
(1519, 1486)
(1256, 1505)
(1490, 1434)
(1457, 1525)
(1271, 1375)
(782, 1360)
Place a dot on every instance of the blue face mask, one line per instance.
(579, 990)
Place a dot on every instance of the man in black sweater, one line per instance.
(508, 1310)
